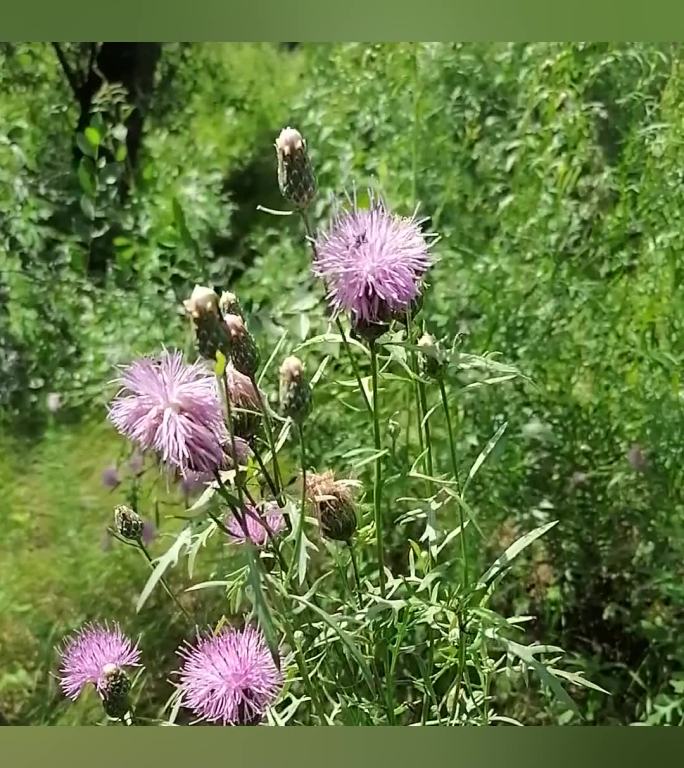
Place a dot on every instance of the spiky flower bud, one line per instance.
(128, 523)
(203, 308)
(244, 352)
(334, 506)
(114, 691)
(229, 304)
(295, 391)
(295, 175)
(434, 361)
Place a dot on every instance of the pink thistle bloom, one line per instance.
(257, 523)
(230, 678)
(90, 653)
(372, 261)
(110, 477)
(174, 409)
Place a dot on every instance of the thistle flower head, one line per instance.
(174, 409)
(295, 391)
(203, 308)
(372, 262)
(128, 523)
(91, 654)
(244, 352)
(333, 503)
(229, 304)
(244, 401)
(256, 524)
(110, 477)
(295, 175)
(229, 678)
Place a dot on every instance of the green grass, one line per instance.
(56, 573)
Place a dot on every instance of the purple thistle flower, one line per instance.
(136, 463)
(90, 653)
(230, 678)
(174, 409)
(258, 524)
(372, 261)
(110, 477)
(149, 532)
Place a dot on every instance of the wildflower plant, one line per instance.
(345, 603)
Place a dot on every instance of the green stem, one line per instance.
(454, 466)
(302, 510)
(266, 474)
(377, 480)
(162, 580)
(355, 568)
(271, 443)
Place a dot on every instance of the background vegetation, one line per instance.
(553, 174)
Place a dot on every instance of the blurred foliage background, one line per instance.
(553, 173)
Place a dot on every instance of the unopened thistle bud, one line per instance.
(244, 352)
(295, 391)
(128, 523)
(229, 304)
(114, 691)
(434, 361)
(203, 308)
(334, 506)
(295, 175)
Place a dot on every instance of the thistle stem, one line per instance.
(355, 568)
(271, 443)
(377, 480)
(162, 580)
(302, 510)
(454, 466)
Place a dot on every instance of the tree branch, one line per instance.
(68, 71)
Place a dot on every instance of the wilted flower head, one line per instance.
(434, 361)
(90, 655)
(203, 308)
(295, 391)
(230, 678)
(244, 403)
(372, 262)
(295, 175)
(174, 409)
(229, 304)
(259, 522)
(244, 352)
(110, 477)
(127, 522)
(333, 503)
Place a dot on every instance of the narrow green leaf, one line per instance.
(491, 444)
(167, 560)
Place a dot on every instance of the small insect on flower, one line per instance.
(229, 678)
(172, 408)
(92, 655)
(373, 262)
(258, 522)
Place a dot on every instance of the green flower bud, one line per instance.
(203, 308)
